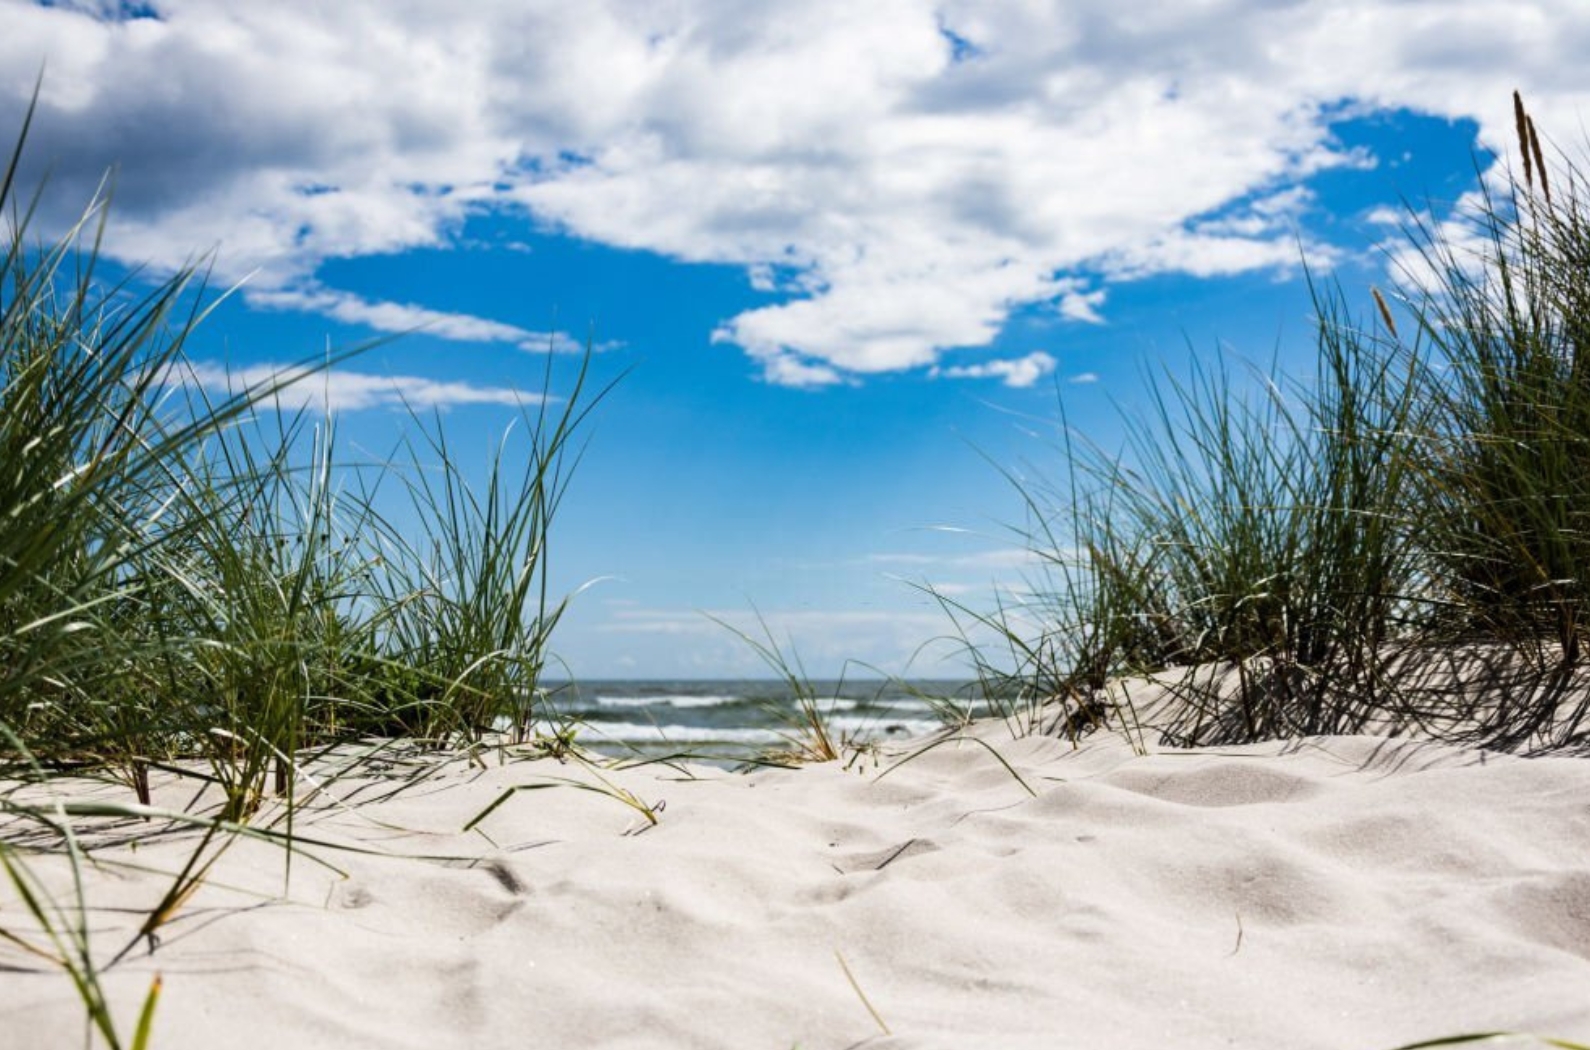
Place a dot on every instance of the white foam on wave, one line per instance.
(853, 728)
(872, 727)
(824, 706)
(644, 733)
(903, 704)
(667, 700)
(679, 700)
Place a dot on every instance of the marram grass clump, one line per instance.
(197, 586)
(1323, 554)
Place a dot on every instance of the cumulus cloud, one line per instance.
(905, 173)
(339, 390)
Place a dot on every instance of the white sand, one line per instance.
(1340, 892)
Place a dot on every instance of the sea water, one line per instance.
(736, 719)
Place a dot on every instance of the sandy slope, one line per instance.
(1340, 892)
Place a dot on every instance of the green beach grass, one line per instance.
(197, 586)
(200, 587)
(1322, 546)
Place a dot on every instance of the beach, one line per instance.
(1267, 702)
(988, 890)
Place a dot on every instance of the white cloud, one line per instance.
(1426, 253)
(1079, 305)
(338, 390)
(906, 199)
(1017, 372)
(406, 317)
(788, 370)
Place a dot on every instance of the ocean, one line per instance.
(732, 720)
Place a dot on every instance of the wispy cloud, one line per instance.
(1460, 241)
(338, 390)
(406, 317)
(905, 173)
(1015, 372)
(1081, 304)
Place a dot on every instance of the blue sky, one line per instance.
(846, 257)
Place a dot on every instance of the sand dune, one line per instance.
(1340, 892)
